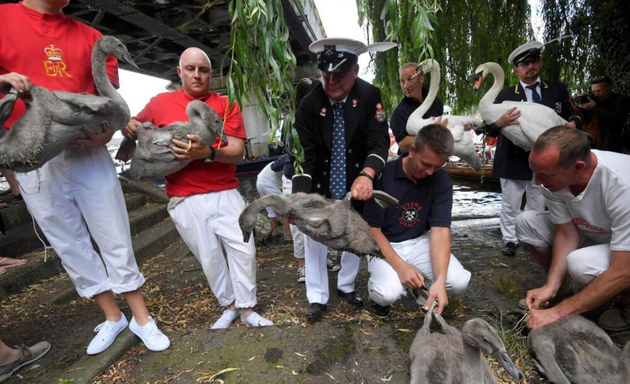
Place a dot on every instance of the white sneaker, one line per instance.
(107, 333)
(150, 335)
(301, 273)
(255, 320)
(226, 319)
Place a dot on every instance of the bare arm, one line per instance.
(195, 149)
(609, 284)
(409, 275)
(440, 251)
(604, 287)
(565, 241)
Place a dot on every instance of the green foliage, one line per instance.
(599, 43)
(261, 60)
(459, 34)
(408, 23)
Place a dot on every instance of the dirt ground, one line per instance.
(347, 345)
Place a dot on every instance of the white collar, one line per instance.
(526, 85)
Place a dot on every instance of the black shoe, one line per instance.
(380, 311)
(509, 249)
(315, 311)
(351, 297)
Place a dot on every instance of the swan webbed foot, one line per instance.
(246, 236)
(6, 105)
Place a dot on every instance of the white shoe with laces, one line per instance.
(107, 333)
(226, 319)
(150, 335)
(255, 320)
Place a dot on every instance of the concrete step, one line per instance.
(21, 240)
(17, 215)
(146, 244)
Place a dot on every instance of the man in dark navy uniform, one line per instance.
(511, 164)
(414, 236)
(342, 127)
(411, 80)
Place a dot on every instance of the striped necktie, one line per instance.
(338, 165)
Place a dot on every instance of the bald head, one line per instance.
(195, 70)
(195, 52)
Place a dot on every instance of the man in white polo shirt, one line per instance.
(586, 231)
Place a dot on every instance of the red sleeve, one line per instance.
(233, 119)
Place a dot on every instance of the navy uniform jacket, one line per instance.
(511, 161)
(367, 138)
(398, 122)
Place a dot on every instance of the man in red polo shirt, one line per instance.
(77, 193)
(205, 203)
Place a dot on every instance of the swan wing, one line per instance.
(535, 119)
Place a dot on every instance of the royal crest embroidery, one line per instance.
(55, 66)
(558, 107)
(381, 114)
(355, 102)
(322, 112)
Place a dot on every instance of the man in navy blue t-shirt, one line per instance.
(415, 236)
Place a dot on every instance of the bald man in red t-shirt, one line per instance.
(205, 203)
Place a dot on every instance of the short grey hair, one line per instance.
(572, 143)
(436, 137)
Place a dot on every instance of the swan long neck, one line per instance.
(99, 74)
(434, 87)
(499, 78)
(472, 364)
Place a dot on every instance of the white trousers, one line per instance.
(208, 223)
(317, 271)
(384, 286)
(77, 194)
(511, 198)
(268, 186)
(298, 237)
(584, 264)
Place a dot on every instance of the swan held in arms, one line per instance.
(331, 222)
(574, 350)
(464, 146)
(153, 156)
(54, 119)
(534, 120)
(451, 356)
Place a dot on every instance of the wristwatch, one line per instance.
(213, 154)
(363, 173)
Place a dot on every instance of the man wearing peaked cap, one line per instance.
(342, 126)
(511, 163)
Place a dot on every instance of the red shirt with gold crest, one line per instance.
(53, 51)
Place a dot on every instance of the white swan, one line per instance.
(534, 120)
(464, 146)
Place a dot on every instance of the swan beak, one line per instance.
(127, 59)
(501, 356)
(246, 236)
(478, 80)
